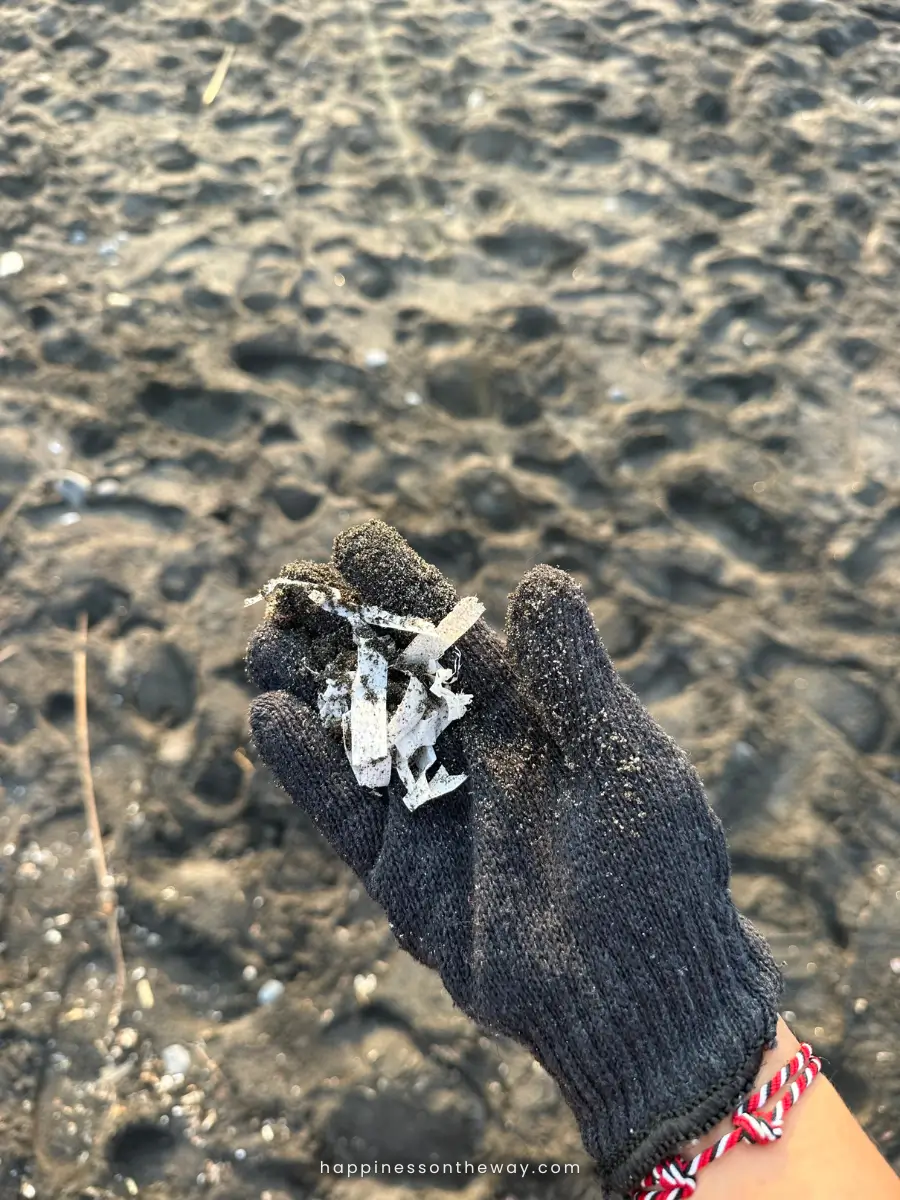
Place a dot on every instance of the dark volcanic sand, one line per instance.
(635, 269)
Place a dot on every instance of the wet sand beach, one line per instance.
(610, 286)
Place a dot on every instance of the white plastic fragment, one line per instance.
(418, 789)
(431, 645)
(457, 702)
(408, 713)
(334, 701)
(444, 782)
(423, 758)
(376, 742)
(378, 616)
(369, 755)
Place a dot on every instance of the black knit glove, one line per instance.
(573, 893)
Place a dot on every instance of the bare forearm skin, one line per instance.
(823, 1153)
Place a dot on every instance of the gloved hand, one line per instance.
(573, 893)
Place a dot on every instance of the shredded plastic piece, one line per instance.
(369, 755)
(434, 642)
(333, 702)
(377, 742)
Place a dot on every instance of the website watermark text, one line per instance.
(460, 1167)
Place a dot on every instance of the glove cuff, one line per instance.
(640, 1097)
(669, 1132)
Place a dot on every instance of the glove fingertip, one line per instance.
(556, 649)
(276, 660)
(387, 571)
(547, 607)
(285, 739)
(312, 768)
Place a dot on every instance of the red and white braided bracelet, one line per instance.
(676, 1178)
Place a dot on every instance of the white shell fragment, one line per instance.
(376, 742)
(11, 263)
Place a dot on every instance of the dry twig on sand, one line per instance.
(218, 76)
(106, 887)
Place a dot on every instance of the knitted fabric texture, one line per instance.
(574, 892)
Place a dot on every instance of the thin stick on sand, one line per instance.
(218, 76)
(106, 888)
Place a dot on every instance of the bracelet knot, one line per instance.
(757, 1128)
(672, 1181)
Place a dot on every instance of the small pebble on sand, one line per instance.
(270, 991)
(11, 263)
(176, 1059)
(72, 488)
(363, 988)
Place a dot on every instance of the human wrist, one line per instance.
(774, 1058)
